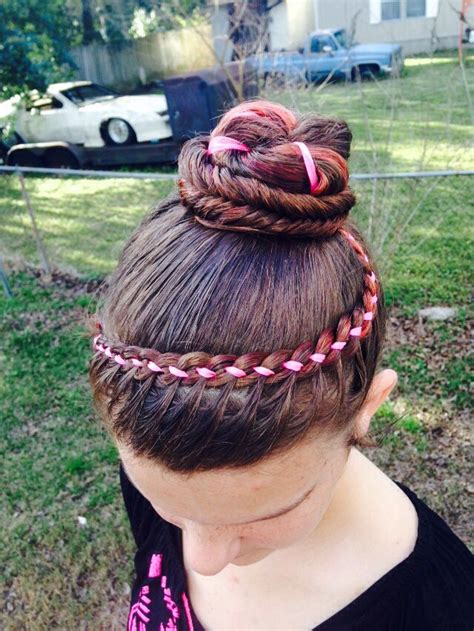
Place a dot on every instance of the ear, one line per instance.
(379, 391)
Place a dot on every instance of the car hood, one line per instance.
(142, 103)
(386, 49)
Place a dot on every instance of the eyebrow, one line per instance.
(283, 511)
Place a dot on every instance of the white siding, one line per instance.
(278, 28)
(432, 7)
(414, 34)
(300, 21)
(375, 11)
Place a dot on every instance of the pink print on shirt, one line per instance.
(137, 618)
(155, 565)
(139, 614)
(171, 624)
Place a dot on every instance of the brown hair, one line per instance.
(191, 290)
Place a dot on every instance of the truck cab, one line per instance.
(330, 52)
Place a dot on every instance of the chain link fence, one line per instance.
(77, 221)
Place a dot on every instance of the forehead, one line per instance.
(228, 496)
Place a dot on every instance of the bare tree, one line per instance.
(247, 32)
(248, 27)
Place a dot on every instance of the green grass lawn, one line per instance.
(59, 465)
(84, 223)
(420, 121)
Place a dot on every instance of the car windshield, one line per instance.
(341, 38)
(87, 93)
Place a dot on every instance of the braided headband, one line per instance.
(223, 143)
(101, 345)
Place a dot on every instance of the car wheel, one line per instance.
(364, 70)
(116, 131)
(275, 81)
(60, 158)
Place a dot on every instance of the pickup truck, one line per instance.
(327, 53)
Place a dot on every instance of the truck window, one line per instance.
(88, 93)
(319, 42)
(314, 45)
(341, 38)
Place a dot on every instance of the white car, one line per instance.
(87, 114)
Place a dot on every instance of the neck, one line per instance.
(348, 492)
(348, 501)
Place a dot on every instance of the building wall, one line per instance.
(290, 23)
(414, 34)
(300, 21)
(279, 27)
(220, 28)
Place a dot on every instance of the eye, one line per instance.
(279, 516)
(276, 518)
(292, 510)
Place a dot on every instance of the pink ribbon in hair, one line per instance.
(310, 166)
(222, 143)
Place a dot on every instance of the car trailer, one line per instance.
(196, 101)
(63, 155)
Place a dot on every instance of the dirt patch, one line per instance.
(437, 464)
(67, 283)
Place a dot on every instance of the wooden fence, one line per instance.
(141, 60)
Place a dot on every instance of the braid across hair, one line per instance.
(213, 348)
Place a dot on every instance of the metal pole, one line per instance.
(39, 242)
(3, 279)
(134, 175)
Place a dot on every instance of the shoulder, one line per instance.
(430, 573)
(434, 535)
(438, 546)
(392, 515)
(436, 579)
(424, 574)
(441, 568)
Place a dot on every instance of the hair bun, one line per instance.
(267, 189)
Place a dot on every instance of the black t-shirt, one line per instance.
(431, 590)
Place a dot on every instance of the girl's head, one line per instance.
(239, 336)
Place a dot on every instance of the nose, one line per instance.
(207, 551)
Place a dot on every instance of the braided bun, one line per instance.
(267, 189)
